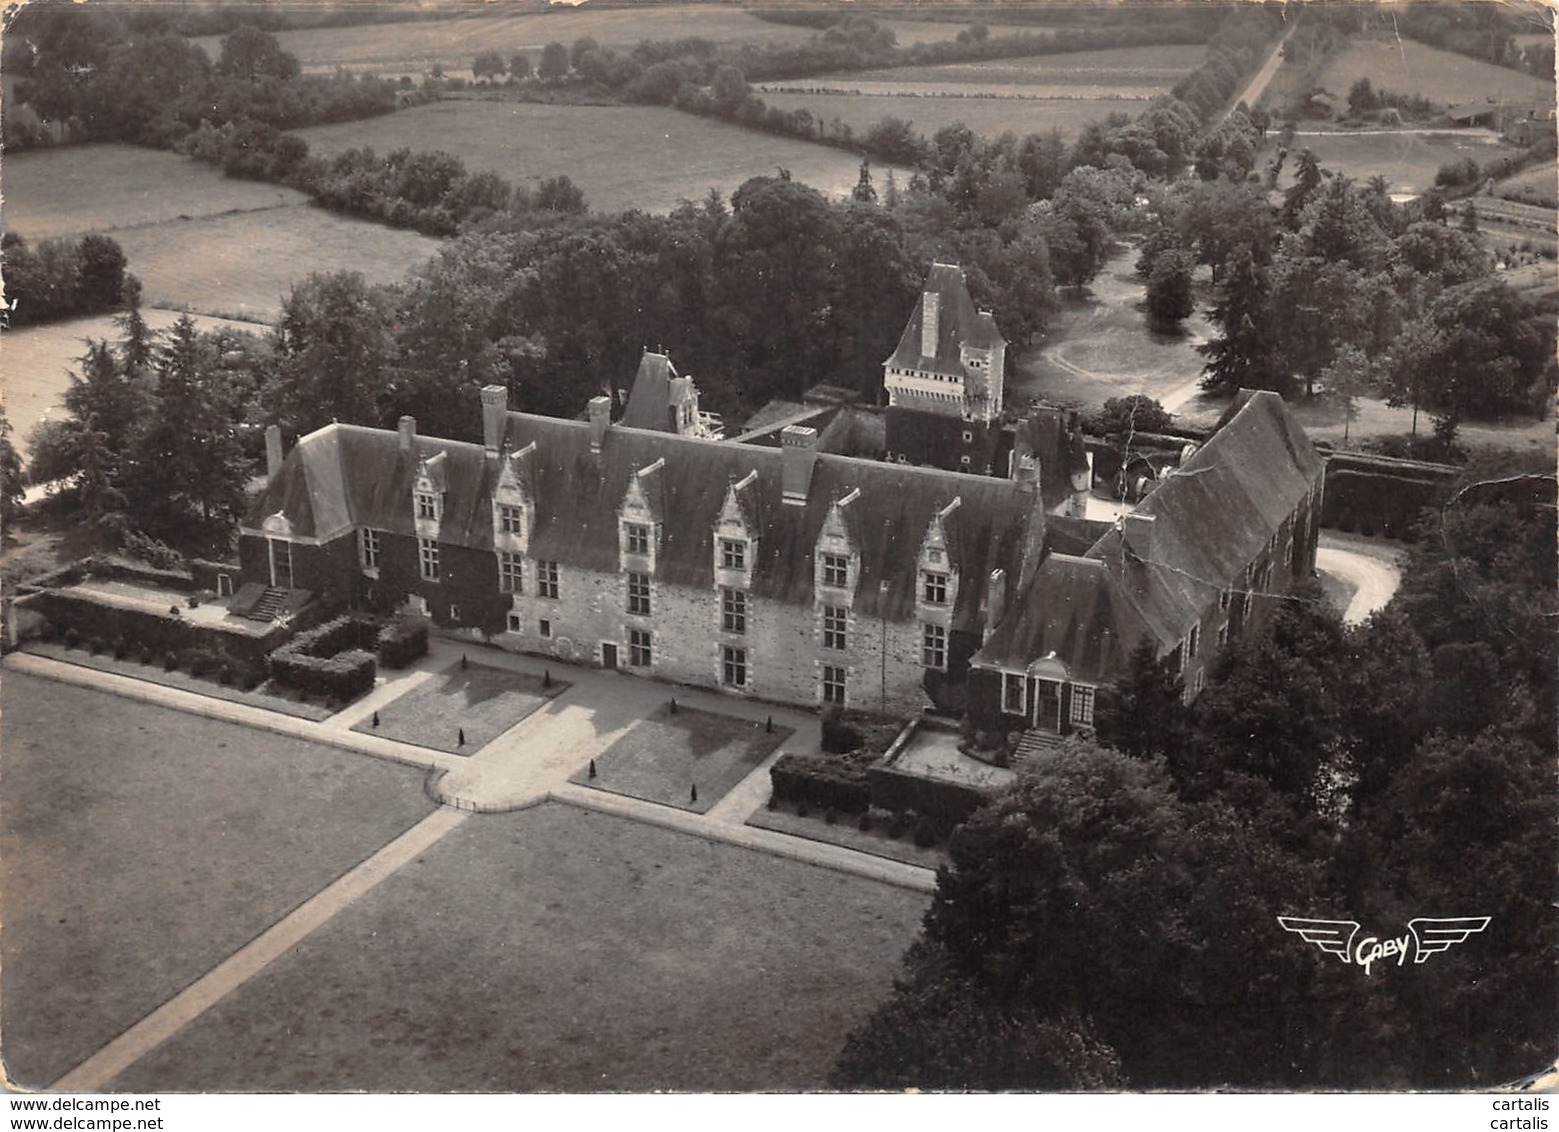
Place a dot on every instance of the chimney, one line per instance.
(273, 453)
(600, 421)
(798, 452)
(495, 409)
(930, 322)
(408, 430)
(1137, 533)
(1033, 530)
(995, 603)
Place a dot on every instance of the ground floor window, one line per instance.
(511, 573)
(639, 649)
(514, 622)
(833, 684)
(1082, 705)
(733, 666)
(933, 647)
(546, 628)
(1012, 693)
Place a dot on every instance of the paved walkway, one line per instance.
(532, 761)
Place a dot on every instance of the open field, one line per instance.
(645, 157)
(1535, 186)
(1404, 66)
(1144, 70)
(37, 361)
(76, 189)
(245, 264)
(985, 116)
(1408, 159)
(561, 949)
(141, 846)
(413, 47)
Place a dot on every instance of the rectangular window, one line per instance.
(733, 666)
(638, 538)
(427, 558)
(639, 653)
(933, 647)
(733, 554)
(1223, 634)
(427, 505)
(454, 614)
(511, 520)
(934, 588)
(547, 579)
(836, 571)
(1082, 705)
(733, 610)
(513, 622)
(1193, 641)
(835, 618)
(639, 594)
(1012, 693)
(833, 684)
(1223, 601)
(546, 629)
(369, 546)
(511, 573)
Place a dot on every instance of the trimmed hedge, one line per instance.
(1375, 503)
(402, 642)
(938, 805)
(157, 631)
(331, 660)
(823, 782)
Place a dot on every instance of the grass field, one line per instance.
(1408, 160)
(563, 950)
(245, 264)
(986, 116)
(481, 701)
(141, 846)
(38, 360)
(1148, 70)
(643, 157)
(1535, 186)
(413, 47)
(1405, 66)
(664, 756)
(96, 188)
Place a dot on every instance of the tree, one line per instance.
(100, 283)
(864, 192)
(489, 65)
(1346, 379)
(1241, 357)
(1144, 714)
(1361, 97)
(249, 53)
(730, 90)
(554, 63)
(333, 345)
(1170, 298)
(519, 66)
(13, 481)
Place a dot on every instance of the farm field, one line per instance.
(243, 265)
(105, 187)
(1148, 70)
(644, 157)
(1535, 186)
(986, 116)
(413, 47)
(142, 846)
(36, 361)
(1408, 159)
(1407, 67)
(558, 949)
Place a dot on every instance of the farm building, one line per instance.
(786, 573)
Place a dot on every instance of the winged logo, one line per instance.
(1335, 937)
(1434, 936)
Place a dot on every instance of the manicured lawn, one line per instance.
(139, 847)
(154, 673)
(483, 702)
(664, 756)
(644, 157)
(559, 949)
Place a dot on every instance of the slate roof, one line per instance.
(958, 322)
(345, 476)
(1059, 450)
(649, 402)
(1212, 517)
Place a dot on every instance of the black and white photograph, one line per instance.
(799, 547)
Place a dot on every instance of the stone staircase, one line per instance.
(270, 605)
(1035, 743)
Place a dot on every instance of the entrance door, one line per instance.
(1047, 704)
(281, 563)
(608, 655)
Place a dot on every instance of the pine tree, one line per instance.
(1241, 357)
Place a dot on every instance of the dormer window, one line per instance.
(934, 587)
(836, 571)
(427, 505)
(511, 520)
(637, 538)
(733, 554)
